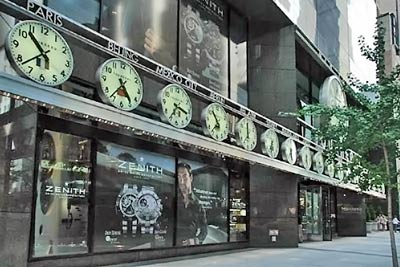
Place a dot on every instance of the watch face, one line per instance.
(289, 152)
(174, 106)
(40, 53)
(319, 162)
(306, 157)
(270, 143)
(192, 25)
(246, 134)
(148, 207)
(215, 121)
(213, 43)
(119, 84)
(127, 204)
(330, 169)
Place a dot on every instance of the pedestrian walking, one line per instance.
(395, 222)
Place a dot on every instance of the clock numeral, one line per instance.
(30, 69)
(104, 77)
(67, 64)
(45, 30)
(15, 43)
(55, 38)
(136, 80)
(139, 92)
(22, 33)
(123, 65)
(31, 28)
(106, 90)
(19, 58)
(130, 105)
(64, 49)
(41, 77)
(167, 94)
(121, 104)
(63, 73)
(164, 101)
(114, 65)
(108, 69)
(54, 78)
(135, 99)
(176, 123)
(113, 98)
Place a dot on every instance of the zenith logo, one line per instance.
(51, 189)
(214, 7)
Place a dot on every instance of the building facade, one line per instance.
(137, 130)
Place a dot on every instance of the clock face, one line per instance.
(246, 134)
(174, 106)
(127, 205)
(270, 143)
(215, 121)
(306, 157)
(40, 53)
(319, 162)
(340, 171)
(289, 152)
(119, 84)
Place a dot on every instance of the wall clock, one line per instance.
(306, 157)
(215, 121)
(119, 84)
(289, 151)
(270, 143)
(246, 133)
(318, 165)
(174, 106)
(39, 52)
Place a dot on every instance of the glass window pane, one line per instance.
(135, 191)
(61, 216)
(84, 12)
(146, 26)
(238, 56)
(203, 43)
(202, 204)
(238, 216)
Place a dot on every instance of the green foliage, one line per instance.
(369, 127)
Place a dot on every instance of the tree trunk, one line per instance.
(395, 261)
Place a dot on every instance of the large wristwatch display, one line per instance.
(147, 209)
(125, 205)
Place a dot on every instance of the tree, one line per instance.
(370, 128)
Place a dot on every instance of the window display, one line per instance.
(202, 204)
(203, 43)
(61, 214)
(135, 191)
(238, 206)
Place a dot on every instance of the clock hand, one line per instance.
(247, 130)
(119, 88)
(216, 119)
(35, 57)
(35, 41)
(181, 109)
(124, 89)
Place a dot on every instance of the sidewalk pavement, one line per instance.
(370, 251)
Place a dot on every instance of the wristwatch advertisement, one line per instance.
(125, 205)
(204, 43)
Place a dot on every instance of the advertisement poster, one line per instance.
(202, 206)
(134, 199)
(61, 214)
(203, 43)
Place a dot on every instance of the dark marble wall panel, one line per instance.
(350, 213)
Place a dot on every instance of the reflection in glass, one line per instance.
(61, 217)
(238, 59)
(135, 191)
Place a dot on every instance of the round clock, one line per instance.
(289, 152)
(215, 121)
(174, 106)
(119, 84)
(39, 52)
(193, 25)
(330, 169)
(246, 133)
(340, 171)
(270, 143)
(306, 157)
(318, 165)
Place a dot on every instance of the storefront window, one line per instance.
(238, 59)
(135, 191)
(203, 43)
(310, 211)
(238, 206)
(202, 206)
(61, 212)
